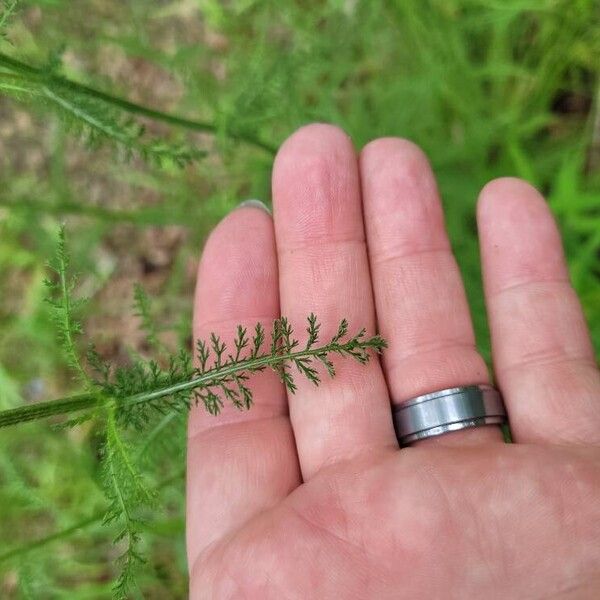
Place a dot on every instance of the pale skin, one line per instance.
(309, 495)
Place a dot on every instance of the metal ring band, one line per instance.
(448, 410)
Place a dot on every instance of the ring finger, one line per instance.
(421, 304)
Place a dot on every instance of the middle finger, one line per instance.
(323, 267)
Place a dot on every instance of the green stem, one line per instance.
(42, 410)
(84, 401)
(37, 75)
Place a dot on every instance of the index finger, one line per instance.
(239, 462)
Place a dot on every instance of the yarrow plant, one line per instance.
(130, 397)
(99, 117)
(198, 96)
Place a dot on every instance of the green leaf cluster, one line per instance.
(133, 396)
(88, 113)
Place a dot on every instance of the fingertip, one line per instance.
(237, 273)
(243, 229)
(507, 194)
(316, 192)
(394, 150)
(401, 205)
(315, 137)
(311, 150)
(520, 240)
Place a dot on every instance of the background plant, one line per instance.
(487, 88)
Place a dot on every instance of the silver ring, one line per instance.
(448, 410)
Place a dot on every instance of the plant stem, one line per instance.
(84, 401)
(37, 75)
(42, 410)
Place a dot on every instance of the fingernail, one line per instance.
(255, 204)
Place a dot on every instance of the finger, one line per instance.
(239, 462)
(421, 304)
(324, 269)
(543, 357)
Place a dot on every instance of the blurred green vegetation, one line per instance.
(486, 87)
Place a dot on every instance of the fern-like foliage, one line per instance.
(64, 307)
(98, 121)
(7, 9)
(142, 310)
(148, 395)
(123, 483)
(143, 389)
(129, 496)
(90, 115)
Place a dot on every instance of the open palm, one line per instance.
(309, 496)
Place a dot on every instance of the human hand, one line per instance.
(309, 496)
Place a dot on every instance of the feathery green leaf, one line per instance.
(146, 395)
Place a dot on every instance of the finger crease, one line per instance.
(434, 346)
(548, 359)
(381, 258)
(283, 415)
(321, 243)
(523, 285)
